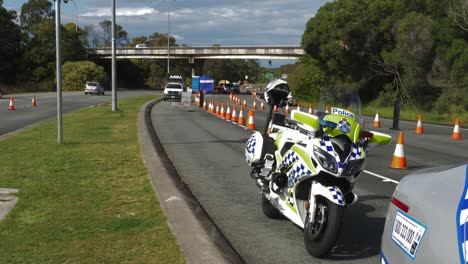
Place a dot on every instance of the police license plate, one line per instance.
(407, 233)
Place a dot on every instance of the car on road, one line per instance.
(230, 88)
(141, 46)
(173, 91)
(94, 88)
(427, 220)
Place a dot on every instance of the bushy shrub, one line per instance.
(76, 74)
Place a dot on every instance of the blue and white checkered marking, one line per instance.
(296, 172)
(326, 142)
(250, 147)
(355, 152)
(336, 194)
(462, 222)
(290, 159)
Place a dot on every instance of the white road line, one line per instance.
(385, 179)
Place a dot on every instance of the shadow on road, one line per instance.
(360, 234)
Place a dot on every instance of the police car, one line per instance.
(427, 220)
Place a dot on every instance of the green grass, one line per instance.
(409, 113)
(88, 200)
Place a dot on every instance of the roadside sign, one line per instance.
(269, 75)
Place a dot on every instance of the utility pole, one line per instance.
(59, 71)
(114, 64)
(169, 3)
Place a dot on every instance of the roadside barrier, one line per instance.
(377, 120)
(34, 103)
(241, 120)
(399, 159)
(251, 121)
(419, 127)
(456, 130)
(286, 110)
(262, 107)
(11, 106)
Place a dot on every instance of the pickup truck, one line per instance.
(173, 91)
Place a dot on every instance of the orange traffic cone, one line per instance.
(234, 115)
(228, 112)
(310, 109)
(205, 107)
(286, 110)
(34, 103)
(221, 112)
(456, 130)
(241, 120)
(12, 106)
(262, 107)
(245, 103)
(377, 120)
(399, 159)
(217, 112)
(298, 106)
(327, 110)
(419, 127)
(230, 97)
(275, 109)
(251, 121)
(254, 105)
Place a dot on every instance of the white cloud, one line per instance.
(127, 11)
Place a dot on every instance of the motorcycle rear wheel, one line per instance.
(320, 236)
(269, 210)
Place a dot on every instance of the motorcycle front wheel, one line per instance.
(320, 236)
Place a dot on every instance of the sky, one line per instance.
(200, 22)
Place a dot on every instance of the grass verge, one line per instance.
(88, 200)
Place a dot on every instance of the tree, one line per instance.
(120, 33)
(458, 11)
(10, 44)
(76, 74)
(155, 40)
(34, 12)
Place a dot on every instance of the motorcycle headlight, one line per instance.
(327, 161)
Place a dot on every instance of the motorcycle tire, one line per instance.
(319, 238)
(269, 210)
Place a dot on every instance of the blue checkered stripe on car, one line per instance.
(326, 142)
(336, 194)
(290, 159)
(250, 147)
(297, 171)
(462, 221)
(355, 152)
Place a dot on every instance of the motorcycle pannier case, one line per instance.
(253, 148)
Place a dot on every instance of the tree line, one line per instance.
(27, 53)
(390, 51)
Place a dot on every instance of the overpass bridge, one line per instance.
(208, 52)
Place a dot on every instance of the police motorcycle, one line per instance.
(306, 166)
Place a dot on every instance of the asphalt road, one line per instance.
(25, 114)
(208, 153)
